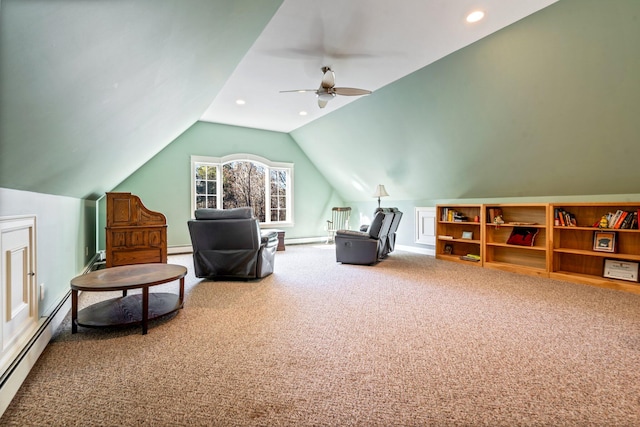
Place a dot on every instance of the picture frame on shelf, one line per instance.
(623, 270)
(467, 235)
(604, 241)
(448, 249)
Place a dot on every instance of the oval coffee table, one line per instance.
(128, 309)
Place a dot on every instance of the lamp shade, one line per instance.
(380, 191)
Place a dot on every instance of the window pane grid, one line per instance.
(206, 185)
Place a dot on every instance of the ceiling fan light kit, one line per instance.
(327, 90)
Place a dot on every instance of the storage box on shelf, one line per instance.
(530, 218)
(459, 228)
(572, 245)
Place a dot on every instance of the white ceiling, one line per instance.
(368, 44)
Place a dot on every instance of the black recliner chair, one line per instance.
(391, 235)
(228, 244)
(370, 246)
(390, 242)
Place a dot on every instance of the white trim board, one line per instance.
(15, 375)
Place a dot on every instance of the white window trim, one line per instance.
(252, 158)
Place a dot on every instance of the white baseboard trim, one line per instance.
(175, 250)
(305, 240)
(15, 375)
(417, 250)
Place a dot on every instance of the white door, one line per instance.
(19, 305)
(426, 225)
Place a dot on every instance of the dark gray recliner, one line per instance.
(228, 244)
(365, 247)
(391, 235)
(389, 243)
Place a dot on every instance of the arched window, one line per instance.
(244, 180)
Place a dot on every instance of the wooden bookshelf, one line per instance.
(499, 254)
(455, 228)
(573, 255)
(563, 252)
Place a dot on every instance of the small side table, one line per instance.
(131, 309)
(280, 238)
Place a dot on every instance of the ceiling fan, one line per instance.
(327, 90)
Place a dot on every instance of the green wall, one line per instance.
(545, 107)
(163, 183)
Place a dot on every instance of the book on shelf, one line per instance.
(620, 220)
(470, 257)
(445, 237)
(613, 218)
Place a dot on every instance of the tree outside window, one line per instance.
(243, 185)
(278, 185)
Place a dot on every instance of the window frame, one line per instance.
(240, 157)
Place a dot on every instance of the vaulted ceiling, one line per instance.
(89, 91)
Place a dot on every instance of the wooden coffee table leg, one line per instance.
(74, 311)
(181, 291)
(145, 309)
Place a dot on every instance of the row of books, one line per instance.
(619, 219)
(622, 220)
(564, 218)
(452, 215)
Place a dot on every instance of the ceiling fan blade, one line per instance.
(299, 90)
(350, 91)
(328, 79)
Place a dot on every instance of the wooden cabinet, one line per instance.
(499, 254)
(134, 234)
(573, 255)
(459, 233)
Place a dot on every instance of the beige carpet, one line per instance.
(411, 341)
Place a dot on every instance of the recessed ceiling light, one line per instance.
(303, 113)
(475, 16)
(240, 101)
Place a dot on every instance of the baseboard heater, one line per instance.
(17, 372)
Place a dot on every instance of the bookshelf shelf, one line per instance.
(627, 257)
(620, 230)
(514, 268)
(518, 248)
(460, 240)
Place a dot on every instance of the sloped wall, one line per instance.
(544, 107)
